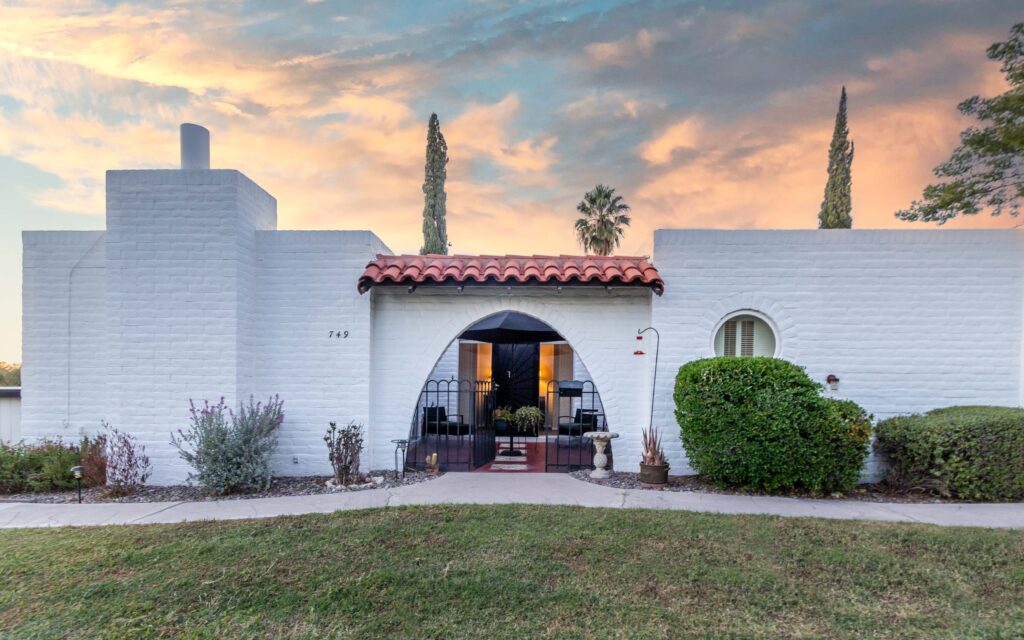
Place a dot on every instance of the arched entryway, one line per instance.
(410, 331)
(509, 394)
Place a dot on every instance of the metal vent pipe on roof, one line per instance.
(195, 146)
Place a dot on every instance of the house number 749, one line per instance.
(341, 335)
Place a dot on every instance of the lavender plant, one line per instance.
(230, 451)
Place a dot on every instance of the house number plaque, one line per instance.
(341, 335)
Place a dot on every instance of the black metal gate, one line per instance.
(574, 408)
(454, 420)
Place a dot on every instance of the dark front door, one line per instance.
(515, 369)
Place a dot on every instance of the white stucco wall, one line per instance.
(410, 332)
(180, 270)
(908, 320)
(65, 368)
(192, 294)
(306, 290)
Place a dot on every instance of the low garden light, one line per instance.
(400, 446)
(76, 473)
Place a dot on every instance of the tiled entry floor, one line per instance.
(533, 462)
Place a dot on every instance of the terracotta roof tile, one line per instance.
(412, 269)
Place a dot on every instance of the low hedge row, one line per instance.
(761, 423)
(38, 467)
(970, 452)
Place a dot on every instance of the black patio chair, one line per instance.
(585, 420)
(436, 423)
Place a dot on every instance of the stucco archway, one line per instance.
(410, 331)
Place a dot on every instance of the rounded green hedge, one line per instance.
(761, 423)
(972, 452)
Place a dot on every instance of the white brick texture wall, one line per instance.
(191, 293)
(908, 320)
(64, 306)
(179, 280)
(307, 289)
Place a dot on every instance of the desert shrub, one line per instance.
(344, 446)
(128, 466)
(93, 458)
(231, 451)
(42, 466)
(761, 423)
(971, 452)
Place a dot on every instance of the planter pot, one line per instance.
(654, 475)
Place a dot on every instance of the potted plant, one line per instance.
(522, 420)
(502, 416)
(528, 419)
(654, 466)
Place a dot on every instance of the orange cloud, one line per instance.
(624, 51)
(485, 131)
(685, 134)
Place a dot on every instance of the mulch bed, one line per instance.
(876, 492)
(286, 486)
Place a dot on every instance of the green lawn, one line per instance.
(513, 571)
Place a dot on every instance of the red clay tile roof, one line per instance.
(552, 270)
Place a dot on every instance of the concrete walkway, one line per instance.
(494, 488)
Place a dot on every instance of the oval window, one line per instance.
(743, 336)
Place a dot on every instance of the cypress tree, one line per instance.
(435, 232)
(836, 206)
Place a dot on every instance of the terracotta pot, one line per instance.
(654, 475)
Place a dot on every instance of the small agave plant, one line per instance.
(653, 453)
(654, 466)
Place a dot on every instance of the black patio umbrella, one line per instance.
(510, 327)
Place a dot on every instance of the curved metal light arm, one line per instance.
(654, 381)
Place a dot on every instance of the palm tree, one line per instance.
(604, 220)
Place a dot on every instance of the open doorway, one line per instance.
(472, 409)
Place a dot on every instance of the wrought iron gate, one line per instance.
(574, 408)
(453, 419)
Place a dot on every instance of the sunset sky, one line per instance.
(702, 114)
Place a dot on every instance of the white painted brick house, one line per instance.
(193, 293)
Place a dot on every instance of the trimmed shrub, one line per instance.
(231, 452)
(972, 452)
(761, 423)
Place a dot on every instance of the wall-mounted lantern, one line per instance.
(833, 381)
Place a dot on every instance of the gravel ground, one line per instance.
(879, 492)
(289, 486)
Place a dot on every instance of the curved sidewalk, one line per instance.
(485, 488)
